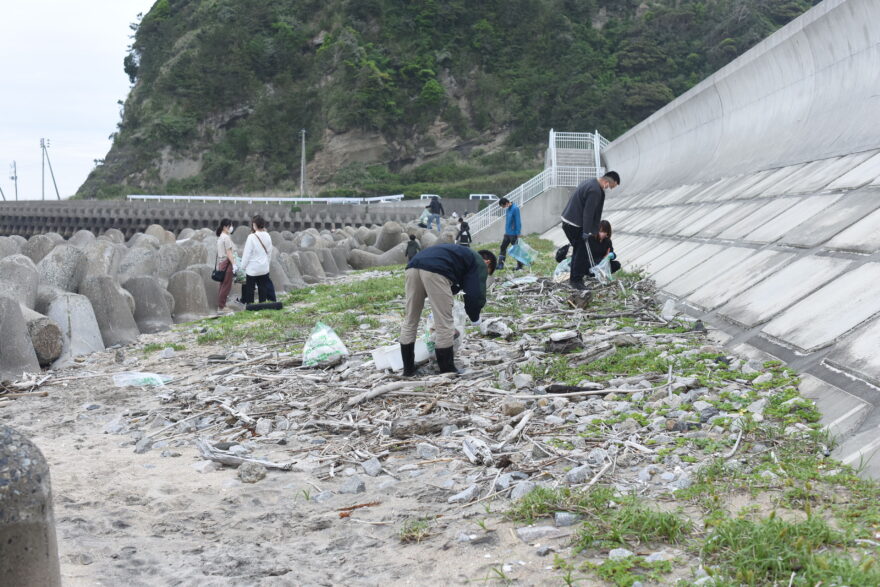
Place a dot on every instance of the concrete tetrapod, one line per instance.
(17, 354)
(8, 246)
(45, 335)
(389, 236)
(111, 309)
(28, 546)
(80, 332)
(64, 267)
(37, 247)
(190, 299)
(103, 257)
(364, 259)
(311, 265)
(19, 279)
(81, 239)
(151, 311)
(328, 262)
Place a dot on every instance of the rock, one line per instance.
(17, 354)
(111, 309)
(466, 496)
(669, 311)
(250, 472)
(533, 533)
(496, 328)
(617, 554)
(757, 406)
(263, 427)
(64, 267)
(627, 426)
(661, 556)
(80, 333)
(565, 519)
(19, 279)
(45, 336)
(505, 480)
(353, 485)
(765, 378)
(522, 489)
(323, 496)
(190, 300)
(143, 445)
(563, 342)
(579, 475)
(151, 309)
(427, 451)
(554, 420)
(544, 550)
(597, 456)
(372, 467)
(523, 381)
(138, 261)
(512, 407)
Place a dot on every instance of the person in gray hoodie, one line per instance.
(581, 218)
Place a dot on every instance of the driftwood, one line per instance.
(223, 457)
(373, 393)
(516, 431)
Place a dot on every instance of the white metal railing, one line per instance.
(589, 146)
(251, 200)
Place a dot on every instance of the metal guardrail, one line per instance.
(554, 175)
(251, 200)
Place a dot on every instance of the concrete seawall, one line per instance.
(754, 201)
(66, 217)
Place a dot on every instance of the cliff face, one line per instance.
(392, 93)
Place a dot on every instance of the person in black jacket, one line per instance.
(464, 233)
(435, 211)
(600, 246)
(438, 273)
(581, 218)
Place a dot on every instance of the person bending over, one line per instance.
(438, 273)
(581, 218)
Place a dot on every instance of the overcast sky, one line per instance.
(61, 68)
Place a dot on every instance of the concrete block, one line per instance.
(278, 275)
(842, 412)
(328, 262)
(240, 233)
(340, 256)
(145, 241)
(709, 271)
(151, 311)
(862, 451)
(168, 260)
(829, 223)
(310, 264)
(858, 353)
(745, 208)
(28, 547)
(140, 260)
(45, 336)
(17, 354)
(185, 234)
(673, 254)
(196, 252)
(865, 173)
(861, 237)
(766, 213)
(830, 312)
(800, 212)
(363, 259)
(82, 239)
(19, 279)
(80, 333)
(782, 289)
(291, 268)
(111, 308)
(103, 257)
(9, 246)
(157, 232)
(692, 261)
(824, 173)
(389, 236)
(190, 300)
(114, 235)
(37, 247)
(64, 267)
(753, 269)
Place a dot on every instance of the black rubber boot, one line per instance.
(446, 360)
(500, 263)
(408, 353)
(578, 285)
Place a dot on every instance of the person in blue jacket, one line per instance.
(438, 273)
(512, 230)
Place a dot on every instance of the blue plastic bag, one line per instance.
(523, 253)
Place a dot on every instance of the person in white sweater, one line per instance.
(255, 262)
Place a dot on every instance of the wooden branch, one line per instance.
(223, 457)
(376, 392)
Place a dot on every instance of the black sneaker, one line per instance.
(578, 285)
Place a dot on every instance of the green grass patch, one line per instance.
(158, 346)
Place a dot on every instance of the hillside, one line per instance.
(398, 96)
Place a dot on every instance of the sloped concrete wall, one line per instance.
(754, 200)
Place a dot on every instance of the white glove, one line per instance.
(476, 322)
(235, 268)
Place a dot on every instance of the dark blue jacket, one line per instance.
(584, 208)
(463, 266)
(512, 222)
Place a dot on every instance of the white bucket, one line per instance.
(388, 357)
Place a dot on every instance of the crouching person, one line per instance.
(438, 273)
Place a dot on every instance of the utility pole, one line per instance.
(44, 145)
(302, 165)
(43, 181)
(14, 178)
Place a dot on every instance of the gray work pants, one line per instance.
(421, 284)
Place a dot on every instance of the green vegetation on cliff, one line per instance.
(397, 95)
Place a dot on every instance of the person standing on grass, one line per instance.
(580, 220)
(438, 273)
(225, 252)
(255, 262)
(512, 230)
